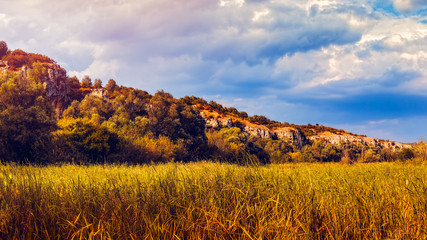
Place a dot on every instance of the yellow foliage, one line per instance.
(296, 156)
(161, 149)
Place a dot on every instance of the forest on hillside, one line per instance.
(119, 124)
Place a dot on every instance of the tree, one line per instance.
(3, 49)
(228, 143)
(406, 154)
(38, 73)
(97, 83)
(260, 120)
(370, 155)
(163, 112)
(243, 114)
(26, 121)
(179, 122)
(330, 153)
(86, 82)
(74, 89)
(93, 141)
(111, 85)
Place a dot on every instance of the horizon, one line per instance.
(353, 65)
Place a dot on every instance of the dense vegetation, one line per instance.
(214, 201)
(126, 199)
(118, 124)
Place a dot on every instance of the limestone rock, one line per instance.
(258, 132)
(339, 139)
(56, 88)
(212, 123)
(228, 123)
(54, 82)
(102, 93)
(297, 137)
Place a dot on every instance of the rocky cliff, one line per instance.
(54, 82)
(339, 139)
(295, 136)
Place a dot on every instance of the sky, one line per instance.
(351, 64)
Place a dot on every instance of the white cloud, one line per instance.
(100, 69)
(388, 46)
(4, 20)
(409, 5)
(261, 15)
(228, 3)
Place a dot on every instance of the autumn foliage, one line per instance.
(19, 58)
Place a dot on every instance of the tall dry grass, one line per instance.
(214, 201)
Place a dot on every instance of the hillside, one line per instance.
(47, 116)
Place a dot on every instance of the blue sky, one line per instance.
(357, 65)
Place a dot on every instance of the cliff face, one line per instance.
(54, 82)
(338, 139)
(56, 88)
(296, 137)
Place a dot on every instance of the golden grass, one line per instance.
(214, 201)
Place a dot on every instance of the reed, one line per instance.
(207, 200)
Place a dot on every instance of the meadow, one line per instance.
(207, 200)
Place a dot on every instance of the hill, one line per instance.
(47, 116)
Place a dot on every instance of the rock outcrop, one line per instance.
(102, 93)
(259, 132)
(339, 139)
(56, 88)
(219, 123)
(296, 137)
(54, 82)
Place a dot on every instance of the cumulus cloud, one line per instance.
(391, 54)
(275, 55)
(228, 29)
(409, 5)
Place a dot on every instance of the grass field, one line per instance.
(214, 201)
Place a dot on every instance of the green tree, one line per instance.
(85, 138)
(179, 122)
(330, 153)
(307, 154)
(26, 120)
(370, 155)
(228, 143)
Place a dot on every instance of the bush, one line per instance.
(82, 137)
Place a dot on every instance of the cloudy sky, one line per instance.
(352, 64)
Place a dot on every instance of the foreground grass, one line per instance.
(214, 201)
